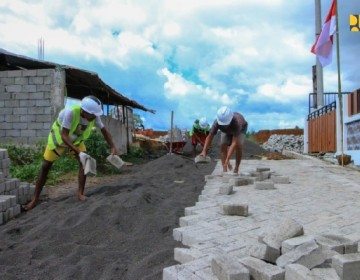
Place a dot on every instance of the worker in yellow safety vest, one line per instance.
(70, 131)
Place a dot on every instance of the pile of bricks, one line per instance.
(13, 193)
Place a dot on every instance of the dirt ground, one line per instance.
(122, 231)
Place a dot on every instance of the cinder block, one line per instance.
(347, 266)
(227, 268)
(234, 209)
(2, 188)
(264, 185)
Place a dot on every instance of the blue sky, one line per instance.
(190, 56)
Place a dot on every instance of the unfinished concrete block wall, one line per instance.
(29, 102)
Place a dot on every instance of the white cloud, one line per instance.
(251, 55)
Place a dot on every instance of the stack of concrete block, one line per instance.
(13, 193)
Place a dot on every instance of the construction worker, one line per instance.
(233, 127)
(70, 131)
(198, 133)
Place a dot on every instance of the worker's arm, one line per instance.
(65, 137)
(108, 138)
(208, 141)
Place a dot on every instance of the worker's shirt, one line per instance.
(197, 129)
(66, 119)
(237, 125)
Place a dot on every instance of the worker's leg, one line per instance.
(44, 171)
(49, 157)
(193, 150)
(82, 181)
(238, 153)
(194, 144)
(81, 175)
(225, 141)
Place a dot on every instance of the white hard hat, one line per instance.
(203, 122)
(91, 105)
(224, 115)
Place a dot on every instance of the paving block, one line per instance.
(209, 178)
(261, 270)
(226, 268)
(234, 209)
(179, 272)
(264, 252)
(240, 181)
(292, 243)
(324, 274)
(308, 254)
(184, 255)
(347, 266)
(340, 244)
(261, 169)
(285, 229)
(280, 179)
(226, 189)
(261, 176)
(297, 272)
(264, 185)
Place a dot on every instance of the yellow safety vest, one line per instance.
(54, 138)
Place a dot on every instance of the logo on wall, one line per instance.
(354, 23)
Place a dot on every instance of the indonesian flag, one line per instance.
(324, 42)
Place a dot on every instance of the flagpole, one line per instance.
(339, 86)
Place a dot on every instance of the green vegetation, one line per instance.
(26, 161)
(250, 135)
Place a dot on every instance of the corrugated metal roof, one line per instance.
(79, 82)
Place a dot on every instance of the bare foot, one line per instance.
(236, 170)
(28, 206)
(81, 197)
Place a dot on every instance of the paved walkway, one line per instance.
(323, 197)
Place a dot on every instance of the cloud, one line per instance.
(190, 57)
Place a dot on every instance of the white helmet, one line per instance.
(91, 105)
(224, 115)
(203, 122)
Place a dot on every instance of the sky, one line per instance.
(191, 57)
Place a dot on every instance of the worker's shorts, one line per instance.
(195, 141)
(52, 155)
(227, 138)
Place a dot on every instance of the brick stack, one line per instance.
(13, 193)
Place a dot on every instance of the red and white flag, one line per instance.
(324, 42)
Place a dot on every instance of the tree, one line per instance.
(138, 122)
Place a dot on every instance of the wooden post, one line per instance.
(171, 131)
